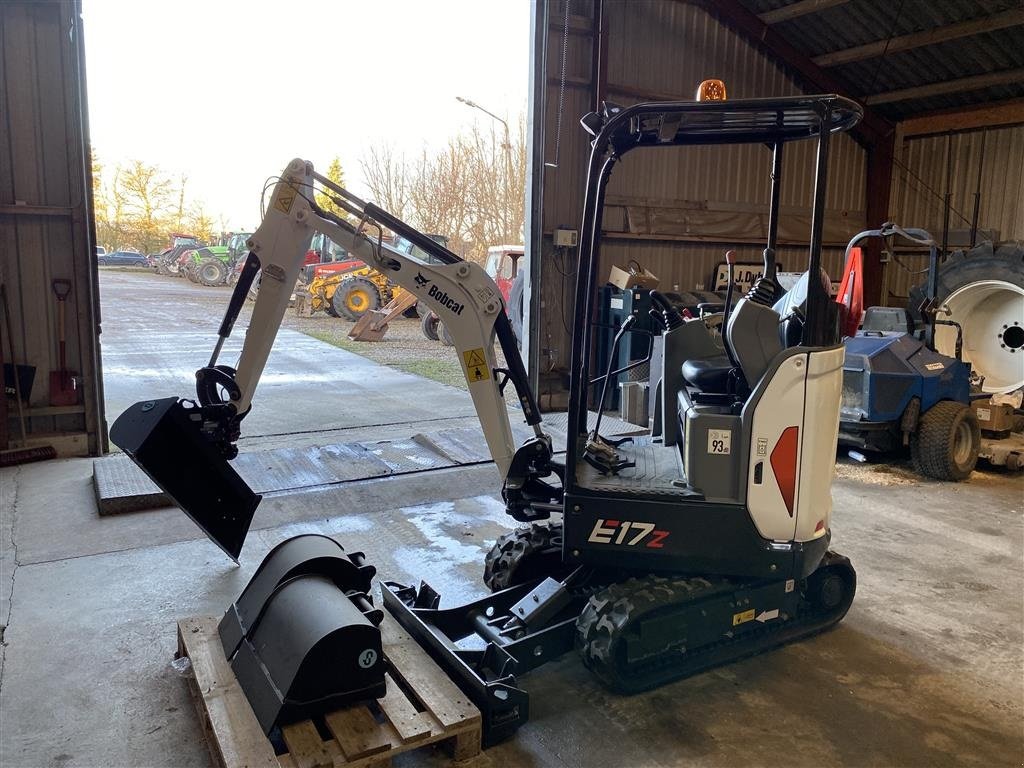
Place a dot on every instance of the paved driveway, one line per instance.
(158, 330)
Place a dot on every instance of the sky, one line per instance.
(227, 92)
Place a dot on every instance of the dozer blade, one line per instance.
(303, 638)
(163, 438)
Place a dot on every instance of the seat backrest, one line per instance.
(795, 298)
(753, 336)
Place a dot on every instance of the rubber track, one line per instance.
(540, 540)
(610, 612)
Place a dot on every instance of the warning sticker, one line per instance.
(476, 365)
(285, 200)
(935, 366)
(742, 618)
(984, 414)
(720, 441)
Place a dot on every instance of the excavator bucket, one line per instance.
(303, 637)
(163, 438)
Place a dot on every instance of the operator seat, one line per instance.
(709, 374)
(755, 334)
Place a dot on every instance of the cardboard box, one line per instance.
(993, 418)
(634, 277)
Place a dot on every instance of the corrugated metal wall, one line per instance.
(666, 48)
(45, 216)
(925, 163)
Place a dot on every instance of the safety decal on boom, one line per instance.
(285, 200)
(476, 365)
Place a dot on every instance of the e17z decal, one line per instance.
(629, 533)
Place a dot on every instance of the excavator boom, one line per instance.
(176, 442)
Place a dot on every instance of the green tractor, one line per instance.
(209, 265)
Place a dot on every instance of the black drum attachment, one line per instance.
(303, 637)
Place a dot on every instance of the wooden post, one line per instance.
(878, 186)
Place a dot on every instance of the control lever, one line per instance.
(599, 453)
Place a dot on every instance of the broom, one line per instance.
(23, 455)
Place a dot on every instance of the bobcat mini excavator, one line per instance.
(654, 557)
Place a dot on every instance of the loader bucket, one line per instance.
(163, 438)
(302, 638)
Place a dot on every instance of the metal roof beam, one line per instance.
(733, 14)
(797, 9)
(1011, 18)
(973, 83)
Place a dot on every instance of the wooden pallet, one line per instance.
(422, 706)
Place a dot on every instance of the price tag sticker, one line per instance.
(720, 441)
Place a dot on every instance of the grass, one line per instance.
(444, 369)
(340, 339)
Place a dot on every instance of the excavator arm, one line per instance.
(185, 446)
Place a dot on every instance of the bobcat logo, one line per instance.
(421, 280)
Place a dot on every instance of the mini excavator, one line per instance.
(654, 557)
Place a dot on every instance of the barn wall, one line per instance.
(659, 201)
(924, 163)
(45, 216)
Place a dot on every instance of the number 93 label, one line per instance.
(720, 441)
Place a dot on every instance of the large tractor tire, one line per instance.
(946, 443)
(444, 335)
(211, 272)
(355, 297)
(983, 288)
(191, 273)
(428, 324)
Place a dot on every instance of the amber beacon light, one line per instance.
(711, 90)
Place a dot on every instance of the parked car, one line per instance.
(100, 251)
(122, 258)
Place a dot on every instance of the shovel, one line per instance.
(62, 382)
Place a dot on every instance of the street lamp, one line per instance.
(508, 158)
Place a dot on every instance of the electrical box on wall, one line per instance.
(565, 238)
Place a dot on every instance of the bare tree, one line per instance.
(473, 190)
(387, 176)
(437, 192)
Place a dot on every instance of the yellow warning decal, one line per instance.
(474, 357)
(285, 200)
(742, 618)
(476, 365)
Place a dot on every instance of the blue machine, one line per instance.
(898, 391)
(889, 379)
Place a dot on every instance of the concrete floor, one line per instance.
(926, 669)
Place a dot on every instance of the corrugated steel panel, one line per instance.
(866, 21)
(920, 182)
(668, 47)
(45, 210)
